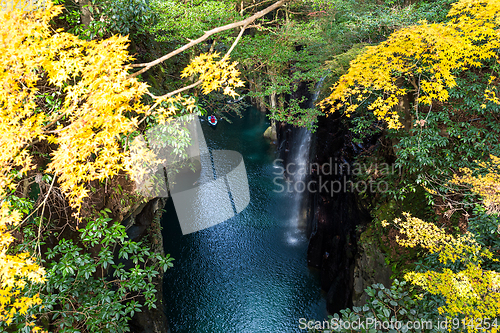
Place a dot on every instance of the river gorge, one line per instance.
(250, 273)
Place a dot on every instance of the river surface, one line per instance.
(248, 274)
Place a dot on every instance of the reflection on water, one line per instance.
(248, 274)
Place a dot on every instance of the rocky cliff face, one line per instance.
(347, 266)
(369, 268)
(348, 260)
(335, 213)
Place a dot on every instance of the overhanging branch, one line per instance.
(226, 56)
(207, 34)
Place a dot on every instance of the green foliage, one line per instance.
(180, 21)
(277, 61)
(108, 17)
(453, 136)
(486, 229)
(436, 142)
(400, 260)
(219, 104)
(384, 306)
(296, 115)
(350, 22)
(318, 39)
(303, 42)
(90, 285)
(339, 64)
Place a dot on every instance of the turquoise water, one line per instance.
(248, 274)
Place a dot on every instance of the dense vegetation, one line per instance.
(421, 75)
(433, 86)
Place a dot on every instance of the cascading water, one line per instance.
(297, 170)
(336, 212)
(248, 274)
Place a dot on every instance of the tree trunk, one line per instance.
(86, 16)
(258, 88)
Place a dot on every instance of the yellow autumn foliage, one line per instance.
(215, 74)
(486, 185)
(15, 269)
(473, 292)
(436, 240)
(101, 104)
(427, 56)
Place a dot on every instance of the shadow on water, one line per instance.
(249, 273)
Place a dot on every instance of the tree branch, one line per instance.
(207, 34)
(235, 42)
(251, 6)
(172, 93)
(41, 215)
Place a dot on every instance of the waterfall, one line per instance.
(298, 177)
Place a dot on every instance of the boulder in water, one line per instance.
(270, 133)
